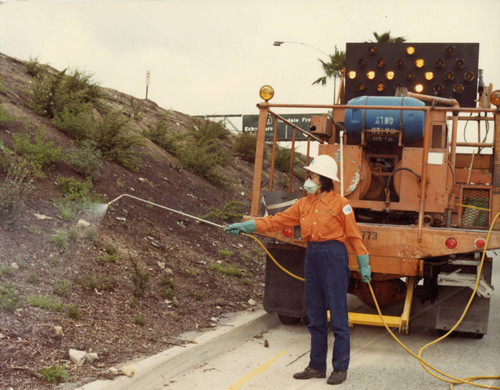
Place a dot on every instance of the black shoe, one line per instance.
(337, 377)
(309, 373)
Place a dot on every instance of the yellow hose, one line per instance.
(427, 367)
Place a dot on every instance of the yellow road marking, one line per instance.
(259, 370)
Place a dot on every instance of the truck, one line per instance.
(416, 135)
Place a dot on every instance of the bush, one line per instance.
(73, 189)
(244, 147)
(87, 160)
(160, 135)
(42, 153)
(9, 299)
(112, 138)
(13, 193)
(55, 374)
(77, 124)
(34, 68)
(231, 212)
(139, 278)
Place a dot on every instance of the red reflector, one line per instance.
(479, 243)
(451, 243)
(288, 232)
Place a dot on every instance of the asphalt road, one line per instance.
(377, 361)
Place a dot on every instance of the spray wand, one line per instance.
(169, 209)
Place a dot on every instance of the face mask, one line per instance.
(310, 186)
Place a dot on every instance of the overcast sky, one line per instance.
(211, 57)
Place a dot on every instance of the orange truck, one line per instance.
(416, 136)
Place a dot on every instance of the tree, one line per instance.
(337, 60)
(386, 38)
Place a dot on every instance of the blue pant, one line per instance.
(327, 277)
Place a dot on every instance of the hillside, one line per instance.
(124, 281)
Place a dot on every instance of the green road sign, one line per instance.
(250, 123)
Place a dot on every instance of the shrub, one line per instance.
(34, 68)
(89, 282)
(167, 288)
(74, 189)
(9, 299)
(44, 302)
(244, 147)
(54, 374)
(4, 116)
(60, 240)
(139, 278)
(110, 256)
(87, 160)
(230, 212)
(72, 312)
(112, 138)
(140, 319)
(62, 287)
(226, 269)
(13, 193)
(2, 87)
(78, 125)
(42, 153)
(161, 136)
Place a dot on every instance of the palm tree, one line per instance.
(386, 38)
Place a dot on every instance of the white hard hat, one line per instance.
(324, 165)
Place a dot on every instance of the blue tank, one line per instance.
(411, 122)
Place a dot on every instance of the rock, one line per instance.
(161, 264)
(14, 266)
(41, 216)
(2, 336)
(91, 357)
(77, 357)
(252, 302)
(58, 330)
(213, 319)
(114, 371)
(82, 223)
(127, 370)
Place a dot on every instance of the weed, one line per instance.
(5, 269)
(44, 302)
(110, 256)
(34, 230)
(2, 87)
(246, 282)
(244, 147)
(89, 282)
(167, 287)
(34, 68)
(4, 116)
(225, 253)
(13, 193)
(132, 302)
(73, 312)
(60, 240)
(196, 295)
(54, 374)
(87, 160)
(73, 234)
(73, 189)
(9, 299)
(136, 107)
(53, 258)
(91, 234)
(231, 212)
(37, 149)
(191, 272)
(32, 278)
(140, 319)
(226, 269)
(62, 287)
(161, 136)
(139, 278)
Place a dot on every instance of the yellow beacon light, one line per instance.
(351, 74)
(266, 92)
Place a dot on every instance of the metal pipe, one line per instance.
(167, 208)
(341, 162)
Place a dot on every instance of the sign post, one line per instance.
(148, 79)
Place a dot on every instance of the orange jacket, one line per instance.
(328, 218)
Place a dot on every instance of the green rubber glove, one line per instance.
(245, 227)
(364, 269)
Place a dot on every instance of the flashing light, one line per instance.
(380, 87)
(380, 62)
(439, 63)
(449, 76)
(429, 75)
(288, 232)
(458, 88)
(451, 243)
(419, 88)
(389, 75)
(459, 63)
(266, 92)
(351, 74)
(410, 50)
(370, 75)
(479, 243)
(469, 76)
(419, 63)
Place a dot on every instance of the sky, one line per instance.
(210, 57)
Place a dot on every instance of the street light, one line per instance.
(279, 43)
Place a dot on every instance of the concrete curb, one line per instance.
(157, 370)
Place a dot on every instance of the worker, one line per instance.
(327, 221)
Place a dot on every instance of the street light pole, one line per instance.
(279, 43)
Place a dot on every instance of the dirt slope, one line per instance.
(174, 254)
